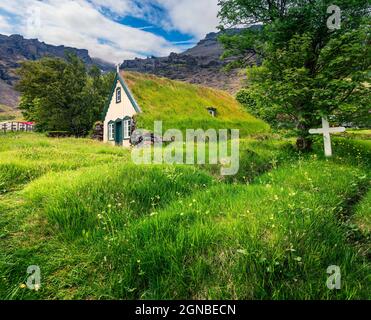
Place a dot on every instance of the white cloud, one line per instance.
(78, 24)
(93, 24)
(120, 7)
(194, 17)
(5, 25)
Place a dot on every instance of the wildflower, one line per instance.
(22, 286)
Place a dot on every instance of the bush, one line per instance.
(58, 134)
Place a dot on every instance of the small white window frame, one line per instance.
(111, 131)
(126, 129)
(118, 95)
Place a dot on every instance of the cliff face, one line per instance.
(15, 49)
(199, 65)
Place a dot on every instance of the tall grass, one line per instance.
(270, 240)
(362, 216)
(78, 202)
(102, 228)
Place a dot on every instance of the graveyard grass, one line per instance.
(100, 227)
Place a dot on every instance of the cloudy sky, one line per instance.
(112, 30)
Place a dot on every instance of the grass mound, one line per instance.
(77, 203)
(25, 157)
(271, 240)
(184, 106)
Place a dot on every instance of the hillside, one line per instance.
(8, 113)
(199, 65)
(183, 105)
(15, 48)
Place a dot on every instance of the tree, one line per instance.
(62, 95)
(308, 70)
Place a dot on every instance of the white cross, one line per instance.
(326, 130)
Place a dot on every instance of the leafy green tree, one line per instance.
(308, 70)
(62, 95)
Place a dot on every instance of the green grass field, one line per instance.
(100, 227)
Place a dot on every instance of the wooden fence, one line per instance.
(16, 126)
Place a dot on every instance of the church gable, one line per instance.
(120, 84)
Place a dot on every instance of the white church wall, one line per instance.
(118, 111)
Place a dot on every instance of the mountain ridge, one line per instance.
(15, 48)
(201, 65)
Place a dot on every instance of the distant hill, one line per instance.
(182, 105)
(199, 65)
(15, 49)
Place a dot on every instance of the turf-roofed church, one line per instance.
(119, 112)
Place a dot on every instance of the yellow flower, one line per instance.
(22, 286)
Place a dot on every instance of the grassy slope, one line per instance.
(8, 113)
(114, 230)
(181, 105)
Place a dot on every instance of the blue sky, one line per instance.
(112, 30)
(173, 36)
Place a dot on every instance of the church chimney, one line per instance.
(118, 68)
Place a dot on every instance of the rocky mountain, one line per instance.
(201, 64)
(15, 49)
